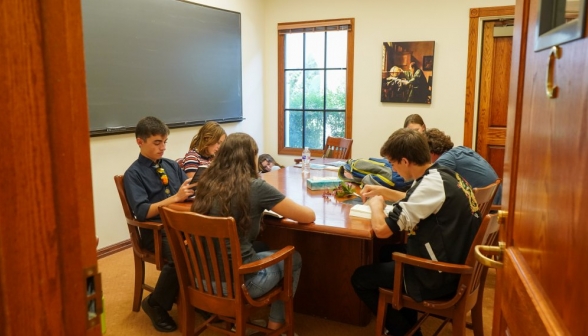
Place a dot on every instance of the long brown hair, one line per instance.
(226, 184)
(208, 135)
(269, 159)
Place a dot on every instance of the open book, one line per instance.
(364, 211)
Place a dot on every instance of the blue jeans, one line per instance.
(263, 281)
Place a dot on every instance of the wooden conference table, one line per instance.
(331, 248)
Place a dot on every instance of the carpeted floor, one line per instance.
(117, 282)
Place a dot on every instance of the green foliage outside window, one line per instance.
(314, 120)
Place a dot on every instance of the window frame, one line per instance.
(309, 26)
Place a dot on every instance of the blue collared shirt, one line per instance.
(144, 187)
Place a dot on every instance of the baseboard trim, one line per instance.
(112, 249)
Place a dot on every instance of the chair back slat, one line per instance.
(337, 148)
(217, 263)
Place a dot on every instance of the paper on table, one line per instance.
(272, 213)
(364, 211)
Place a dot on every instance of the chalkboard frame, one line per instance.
(188, 26)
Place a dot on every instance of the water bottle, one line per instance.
(306, 160)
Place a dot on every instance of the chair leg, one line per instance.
(382, 307)
(240, 324)
(290, 317)
(139, 281)
(459, 325)
(477, 320)
(186, 316)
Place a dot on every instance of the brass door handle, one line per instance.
(493, 250)
(502, 215)
(550, 88)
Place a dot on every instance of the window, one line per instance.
(315, 84)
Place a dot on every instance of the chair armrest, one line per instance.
(284, 291)
(157, 239)
(273, 259)
(431, 264)
(146, 225)
(402, 258)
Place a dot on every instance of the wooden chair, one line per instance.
(485, 197)
(140, 254)
(338, 148)
(191, 237)
(453, 309)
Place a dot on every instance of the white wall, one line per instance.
(378, 21)
(112, 155)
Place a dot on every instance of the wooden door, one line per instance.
(493, 98)
(487, 91)
(541, 289)
(47, 237)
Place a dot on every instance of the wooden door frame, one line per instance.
(477, 15)
(47, 239)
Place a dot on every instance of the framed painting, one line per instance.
(428, 63)
(407, 72)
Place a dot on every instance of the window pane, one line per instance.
(314, 89)
(293, 46)
(336, 89)
(292, 129)
(314, 130)
(315, 50)
(335, 124)
(293, 88)
(337, 49)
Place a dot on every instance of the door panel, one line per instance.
(493, 99)
(522, 318)
(540, 290)
(495, 156)
(47, 241)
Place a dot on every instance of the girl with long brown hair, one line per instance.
(203, 147)
(231, 187)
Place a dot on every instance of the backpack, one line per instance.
(374, 171)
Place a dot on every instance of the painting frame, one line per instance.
(428, 63)
(407, 72)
